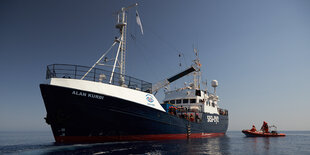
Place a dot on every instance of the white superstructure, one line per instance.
(191, 97)
(193, 100)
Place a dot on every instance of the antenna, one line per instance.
(206, 84)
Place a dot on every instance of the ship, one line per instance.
(90, 104)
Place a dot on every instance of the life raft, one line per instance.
(250, 133)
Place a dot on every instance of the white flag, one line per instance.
(139, 21)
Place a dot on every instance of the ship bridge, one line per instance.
(193, 100)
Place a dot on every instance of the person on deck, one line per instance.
(264, 128)
(170, 110)
(253, 128)
(191, 118)
(196, 118)
(174, 111)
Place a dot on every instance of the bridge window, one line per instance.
(198, 93)
(172, 101)
(185, 100)
(179, 101)
(192, 100)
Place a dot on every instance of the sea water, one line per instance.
(234, 142)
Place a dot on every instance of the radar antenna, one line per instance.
(214, 84)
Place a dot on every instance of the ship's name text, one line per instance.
(79, 93)
(213, 119)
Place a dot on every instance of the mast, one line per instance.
(122, 26)
(119, 61)
(197, 73)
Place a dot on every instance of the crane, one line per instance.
(167, 81)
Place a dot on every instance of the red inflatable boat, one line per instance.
(250, 133)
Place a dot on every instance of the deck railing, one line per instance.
(96, 74)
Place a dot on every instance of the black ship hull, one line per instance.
(83, 118)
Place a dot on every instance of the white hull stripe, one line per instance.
(110, 90)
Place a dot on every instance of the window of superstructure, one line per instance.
(166, 102)
(172, 101)
(185, 100)
(192, 100)
(198, 93)
(179, 101)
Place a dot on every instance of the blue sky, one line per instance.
(257, 50)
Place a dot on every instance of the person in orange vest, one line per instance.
(186, 116)
(174, 111)
(253, 128)
(196, 118)
(191, 118)
(171, 110)
(264, 128)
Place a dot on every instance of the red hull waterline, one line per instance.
(261, 134)
(97, 139)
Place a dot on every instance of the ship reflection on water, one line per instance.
(234, 142)
(215, 145)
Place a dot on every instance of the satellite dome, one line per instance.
(214, 83)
